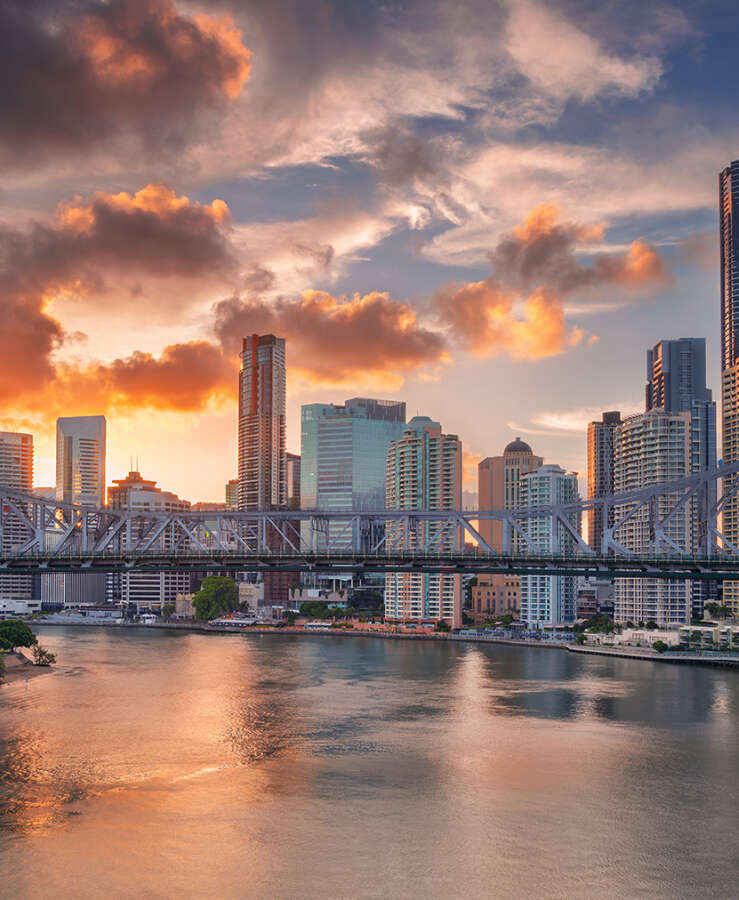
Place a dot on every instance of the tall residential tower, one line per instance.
(262, 455)
(729, 246)
(600, 472)
(16, 471)
(424, 471)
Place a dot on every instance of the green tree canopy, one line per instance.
(217, 595)
(16, 633)
(314, 609)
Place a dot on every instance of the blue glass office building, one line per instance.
(343, 452)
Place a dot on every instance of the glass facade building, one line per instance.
(343, 449)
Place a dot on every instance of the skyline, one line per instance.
(497, 226)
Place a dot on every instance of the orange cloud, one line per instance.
(153, 232)
(154, 198)
(336, 340)
(484, 320)
(184, 377)
(520, 309)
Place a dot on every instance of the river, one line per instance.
(155, 764)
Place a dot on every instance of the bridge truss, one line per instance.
(676, 524)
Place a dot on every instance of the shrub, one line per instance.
(660, 646)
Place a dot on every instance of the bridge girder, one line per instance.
(38, 535)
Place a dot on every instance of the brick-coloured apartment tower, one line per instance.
(262, 455)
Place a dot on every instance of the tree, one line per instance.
(217, 595)
(42, 656)
(660, 646)
(291, 615)
(168, 609)
(2, 667)
(314, 609)
(16, 633)
(443, 626)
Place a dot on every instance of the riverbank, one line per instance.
(253, 631)
(680, 658)
(20, 669)
(694, 658)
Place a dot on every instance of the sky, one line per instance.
(487, 209)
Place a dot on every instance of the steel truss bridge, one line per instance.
(676, 523)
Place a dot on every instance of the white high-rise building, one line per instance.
(80, 460)
(80, 478)
(424, 471)
(650, 448)
(16, 471)
(548, 599)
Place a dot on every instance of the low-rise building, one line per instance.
(495, 596)
(635, 637)
(12, 607)
(716, 635)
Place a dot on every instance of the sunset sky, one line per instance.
(487, 210)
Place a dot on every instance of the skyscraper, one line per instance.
(80, 460)
(262, 453)
(650, 448)
(548, 599)
(343, 452)
(499, 487)
(424, 471)
(600, 472)
(16, 471)
(676, 382)
(80, 478)
(262, 460)
(729, 246)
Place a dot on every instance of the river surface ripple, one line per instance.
(160, 764)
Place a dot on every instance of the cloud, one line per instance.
(184, 377)
(563, 61)
(152, 233)
(536, 268)
(544, 250)
(337, 340)
(702, 250)
(562, 423)
(76, 74)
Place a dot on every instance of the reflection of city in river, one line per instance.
(159, 764)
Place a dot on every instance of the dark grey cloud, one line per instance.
(77, 73)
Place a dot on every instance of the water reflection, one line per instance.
(428, 757)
